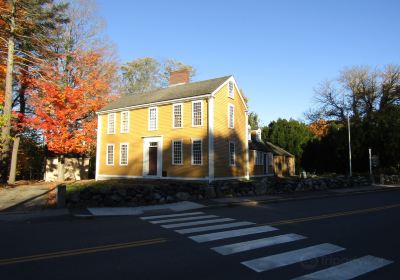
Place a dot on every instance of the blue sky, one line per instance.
(278, 51)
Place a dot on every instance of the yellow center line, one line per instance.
(333, 215)
(82, 251)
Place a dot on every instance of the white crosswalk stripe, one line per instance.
(256, 244)
(348, 270)
(171, 215)
(190, 223)
(214, 227)
(183, 219)
(231, 233)
(291, 257)
(213, 221)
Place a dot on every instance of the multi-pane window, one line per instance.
(259, 158)
(231, 92)
(177, 117)
(111, 123)
(125, 122)
(153, 118)
(231, 116)
(197, 158)
(197, 113)
(177, 156)
(123, 154)
(110, 154)
(232, 153)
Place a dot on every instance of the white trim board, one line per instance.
(210, 117)
(152, 104)
(146, 145)
(231, 78)
(98, 147)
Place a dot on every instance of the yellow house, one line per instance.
(189, 131)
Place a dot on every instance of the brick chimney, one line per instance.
(181, 76)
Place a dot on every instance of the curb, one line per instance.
(288, 199)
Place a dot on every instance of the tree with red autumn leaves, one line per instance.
(64, 107)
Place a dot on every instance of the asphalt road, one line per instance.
(342, 236)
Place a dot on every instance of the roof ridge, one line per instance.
(193, 89)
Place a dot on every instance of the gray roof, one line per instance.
(166, 94)
(268, 147)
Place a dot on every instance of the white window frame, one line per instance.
(259, 158)
(107, 158)
(173, 115)
(173, 151)
(201, 151)
(122, 122)
(231, 94)
(109, 131)
(149, 120)
(230, 105)
(201, 113)
(234, 153)
(120, 154)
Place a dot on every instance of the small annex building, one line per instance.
(266, 158)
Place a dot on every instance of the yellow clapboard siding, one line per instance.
(223, 135)
(138, 128)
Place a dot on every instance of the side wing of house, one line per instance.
(161, 141)
(230, 132)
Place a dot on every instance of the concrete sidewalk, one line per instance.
(25, 197)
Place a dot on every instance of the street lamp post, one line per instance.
(348, 128)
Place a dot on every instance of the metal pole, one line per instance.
(370, 162)
(348, 126)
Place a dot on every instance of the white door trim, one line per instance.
(146, 145)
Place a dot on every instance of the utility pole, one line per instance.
(348, 126)
(370, 161)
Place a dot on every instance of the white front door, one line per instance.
(152, 156)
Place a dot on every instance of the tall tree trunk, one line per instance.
(7, 110)
(13, 167)
(61, 168)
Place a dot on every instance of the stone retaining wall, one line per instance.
(172, 191)
(389, 179)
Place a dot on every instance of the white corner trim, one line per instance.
(127, 153)
(173, 114)
(210, 117)
(202, 112)
(98, 147)
(247, 144)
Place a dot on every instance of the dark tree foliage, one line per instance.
(291, 135)
(372, 100)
